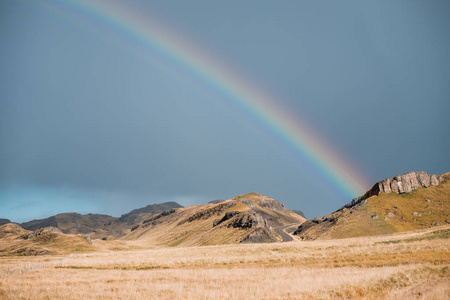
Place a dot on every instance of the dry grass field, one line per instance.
(414, 265)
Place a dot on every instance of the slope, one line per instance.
(378, 212)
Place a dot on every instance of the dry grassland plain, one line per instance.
(414, 265)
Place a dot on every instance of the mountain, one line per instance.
(100, 226)
(245, 218)
(415, 200)
(137, 215)
(74, 223)
(49, 240)
(299, 212)
(4, 221)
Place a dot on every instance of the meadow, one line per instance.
(409, 265)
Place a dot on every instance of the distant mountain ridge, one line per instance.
(100, 226)
(4, 221)
(73, 223)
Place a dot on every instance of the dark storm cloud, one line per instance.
(80, 110)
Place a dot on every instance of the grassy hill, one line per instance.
(248, 217)
(14, 240)
(384, 214)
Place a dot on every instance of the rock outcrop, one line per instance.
(41, 232)
(248, 219)
(259, 235)
(401, 184)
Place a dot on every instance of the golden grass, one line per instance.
(401, 265)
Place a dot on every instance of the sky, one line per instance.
(94, 119)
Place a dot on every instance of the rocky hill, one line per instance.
(99, 226)
(415, 200)
(246, 218)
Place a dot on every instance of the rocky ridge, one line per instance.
(401, 184)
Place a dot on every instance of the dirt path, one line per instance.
(280, 231)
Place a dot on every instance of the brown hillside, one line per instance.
(384, 214)
(11, 230)
(14, 240)
(250, 217)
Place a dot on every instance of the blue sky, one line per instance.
(91, 123)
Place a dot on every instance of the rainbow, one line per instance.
(163, 43)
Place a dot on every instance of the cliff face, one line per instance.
(401, 184)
